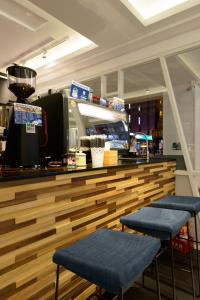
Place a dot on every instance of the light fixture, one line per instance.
(147, 91)
(150, 11)
(98, 112)
(74, 45)
(142, 137)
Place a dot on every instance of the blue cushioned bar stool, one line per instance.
(185, 203)
(161, 223)
(110, 259)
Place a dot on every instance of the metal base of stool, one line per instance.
(191, 263)
(158, 291)
(157, 274)
(172, 269)
(121, 296)
(197, 250)
(99, 290)
(57, 282)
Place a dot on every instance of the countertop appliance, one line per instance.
(22, 148)
(68, 119)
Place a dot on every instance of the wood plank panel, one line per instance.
(38, 217)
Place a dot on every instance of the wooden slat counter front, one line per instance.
(41, 214)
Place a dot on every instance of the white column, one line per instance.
(177, 120)
(120, 84)
(196, 88)
(103, 86)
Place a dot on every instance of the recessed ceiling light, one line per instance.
(147, 91)
(19, 14)
(70, 46)
(150, 11)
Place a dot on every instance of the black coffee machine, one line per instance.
(22, 147)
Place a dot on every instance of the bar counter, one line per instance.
(46, 209)
(7, 174)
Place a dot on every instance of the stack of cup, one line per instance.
(97, 144)
(85, 143)
(85, 147)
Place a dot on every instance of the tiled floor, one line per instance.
(140, 293)
(183, 280)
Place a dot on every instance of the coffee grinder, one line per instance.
(22, 147)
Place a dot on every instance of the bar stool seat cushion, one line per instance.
(157, 222)
(109, 259)
(187, 203)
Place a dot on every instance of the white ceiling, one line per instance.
(110, 25)
(147, 76)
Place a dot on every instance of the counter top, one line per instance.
(7, 174)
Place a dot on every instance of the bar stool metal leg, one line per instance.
(143, 279)
(191, 263)
(157, 279)
(172, 269)
(57, 282)
(121, 296)
(197, 250)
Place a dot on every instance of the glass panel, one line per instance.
(90, 119)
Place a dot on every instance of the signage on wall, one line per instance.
(79, 91)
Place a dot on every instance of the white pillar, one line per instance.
(196, 89)
(120, 84)
(103, 86)
(177, 120)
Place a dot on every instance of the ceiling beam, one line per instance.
(132, 96)
(165, 48)
(188, 66)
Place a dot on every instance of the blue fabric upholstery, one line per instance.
(109, 259)
(187, 203)
(157, 222)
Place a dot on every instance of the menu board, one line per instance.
(25, 113)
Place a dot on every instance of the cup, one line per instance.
(97, 157)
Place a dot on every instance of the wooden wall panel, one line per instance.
(38, 216)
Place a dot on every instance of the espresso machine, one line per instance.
(22, 147)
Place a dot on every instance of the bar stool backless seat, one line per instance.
(161, 223)
(157, 222)
(186, 203)
(109, 259)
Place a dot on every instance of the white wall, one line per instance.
(5, 94)
(197, 126)
(185, 100)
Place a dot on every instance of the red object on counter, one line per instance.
(96, 99)
(180, 242)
